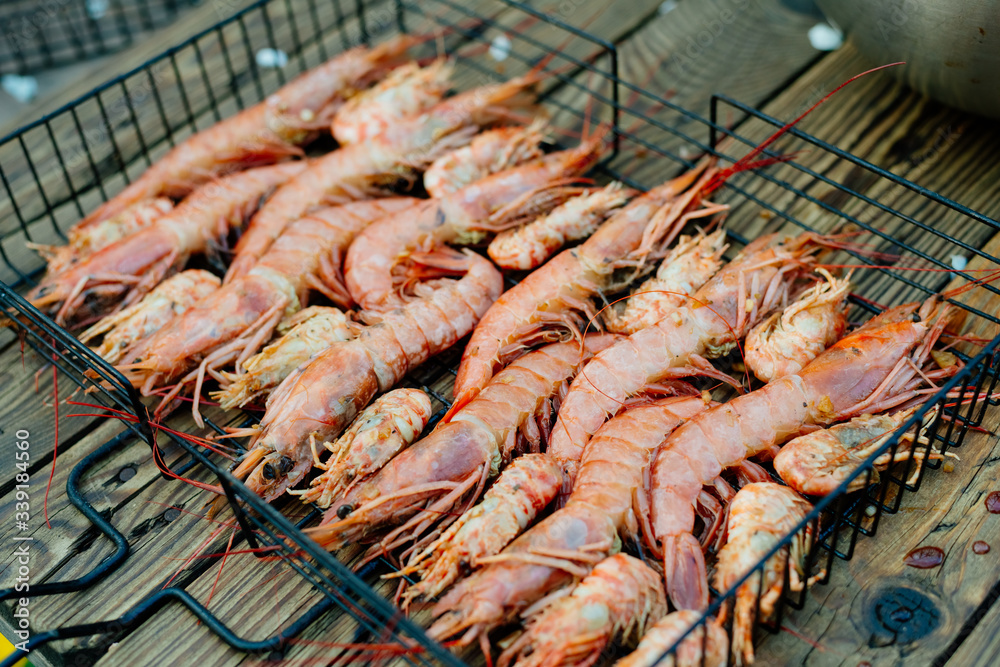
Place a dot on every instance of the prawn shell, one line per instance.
(667, 631)
(266, 132)
(618, 598)
(591, 519)
(523, 489)
(472, 441)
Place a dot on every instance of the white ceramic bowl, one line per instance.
(951, 47)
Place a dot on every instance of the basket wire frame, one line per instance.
(42, 35)
(136, 129)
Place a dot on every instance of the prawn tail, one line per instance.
(460, 402)
(685, 572)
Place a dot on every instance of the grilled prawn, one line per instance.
(307, 332)
(140, 320)
(466, 216)
(405, 149)
(433, 475)
(786, 341)
(880, 365)
(319, 400)
(406, 91)
(85, 240)
(619, 598)
(386, 427)
(488, 153)
(121, 273)
(710, 325)
(558, 295)
(687, 266)
(530, 246)
(266, 132)
(696, 650)
(567, 544)
(232, 323)
(524, 489)
(817, 463)
(760, 516)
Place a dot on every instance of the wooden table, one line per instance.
(755, 51)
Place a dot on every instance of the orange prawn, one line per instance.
(466, 216)
(123, 272)
(386, 427)
(695, 650)
(406, 91)
(717, 316)
(400, 153)
(140, 320)
(85, 240)
(619, 598)
(318, 400)
(530, 246)
(788, 340)
(488, 153)
(688, 266)
(232, 323)
(760, 515)
(264, 133)
(817, 463)
(558, 295)
(524, 489)
(568, 543)
(305, 333)
(878, 366)
(435, 473)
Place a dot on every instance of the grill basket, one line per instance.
(56, 169)
(42, 35)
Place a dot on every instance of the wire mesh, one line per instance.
(42, 35)
(56, 169)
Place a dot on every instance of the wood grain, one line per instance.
(939, 148)
(746, 49)
(244, 596)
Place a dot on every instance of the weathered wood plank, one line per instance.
(109, 486)
(943, 150)
(58, 86)
(981, 647)
(874, 118)
(746, 49)
(26, 393)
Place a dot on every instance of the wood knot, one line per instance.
(900, 615)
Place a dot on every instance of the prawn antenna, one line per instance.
(749, 160)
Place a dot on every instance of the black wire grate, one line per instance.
(41, 35)
(63, 165)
